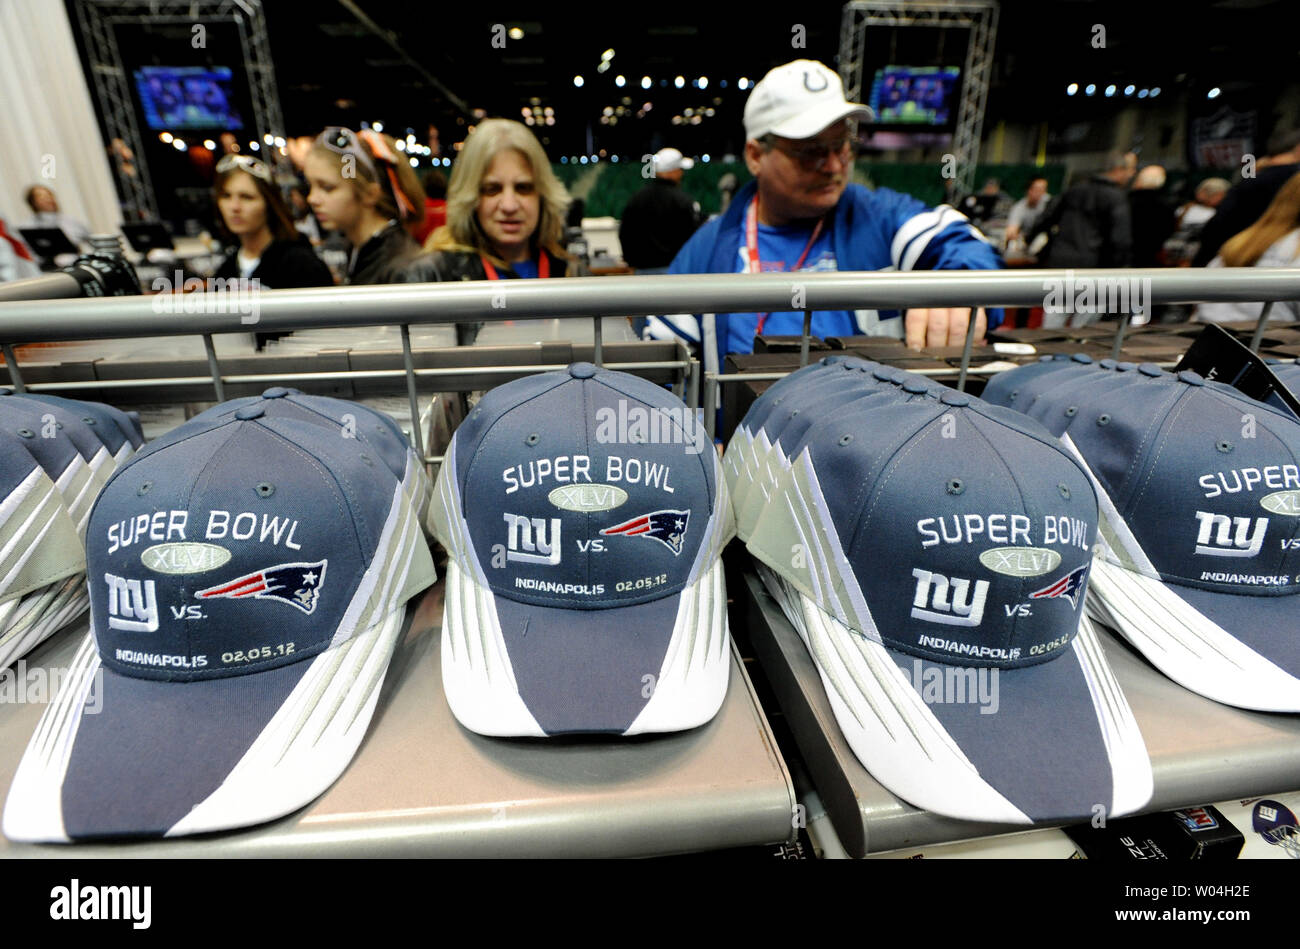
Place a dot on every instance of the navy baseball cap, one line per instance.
(1199, 560)
(42, 562)
(738, 463)
(788, 433)
(939, 540)
(70, 454)
(1003, 388)
(378, 431)
(248, 584)
(584, 587)
(119, 431)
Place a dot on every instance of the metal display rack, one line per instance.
(421, 784)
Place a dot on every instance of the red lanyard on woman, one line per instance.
(543, 266)
(751, 241)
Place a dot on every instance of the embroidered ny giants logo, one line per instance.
(1233, 537)
(132, 605)
(528, 541)
(964, 609)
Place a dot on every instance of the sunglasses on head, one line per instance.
(370, 148)
(346, 142)
(254, 166)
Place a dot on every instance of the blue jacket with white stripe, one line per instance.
(872, 230)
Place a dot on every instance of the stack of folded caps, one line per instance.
(1199, 551)
(919, 540)
(249, 573)
(583, 512)
(58, 453)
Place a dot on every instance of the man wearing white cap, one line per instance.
(661, 217)
(800, 213)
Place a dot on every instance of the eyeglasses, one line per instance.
(254, 166)
(814, 154)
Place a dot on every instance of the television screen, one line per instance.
(187, 97)
(915, 95)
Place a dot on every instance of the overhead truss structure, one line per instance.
(111, 81)
(978, 16)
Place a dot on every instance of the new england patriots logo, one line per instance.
(1069, 586)
(297, 584)
(667, 527)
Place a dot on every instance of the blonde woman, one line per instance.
(1272, 241)
(505, 212)
(363, 188)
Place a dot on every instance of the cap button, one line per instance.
(957, 399)
(915, 388)
(1108, 364)
(1081, 357)
(1151, 369)
(247, 412)
(275, 392)
(1191, 378)
(582, 370)
(1125, 366)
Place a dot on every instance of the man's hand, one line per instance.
(941, 327)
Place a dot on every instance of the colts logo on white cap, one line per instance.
(807, 84)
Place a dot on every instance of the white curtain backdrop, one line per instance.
(48, 132)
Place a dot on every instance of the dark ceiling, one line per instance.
(407, 63)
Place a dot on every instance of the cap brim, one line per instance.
(1184, 633)
(120, 756)
(810, 123)
(1052, 741)
(29, 620)
(516, 670)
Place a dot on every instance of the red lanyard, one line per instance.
(751, 241)
(543, 266)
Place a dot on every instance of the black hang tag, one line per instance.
(1220, 357)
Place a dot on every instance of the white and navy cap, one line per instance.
(1199, 560)
(929, 540)
(798, 100)
(376, 430)
(78, 446)
(851, 387)
(247, 584)
(42, 561)
(583, 513)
